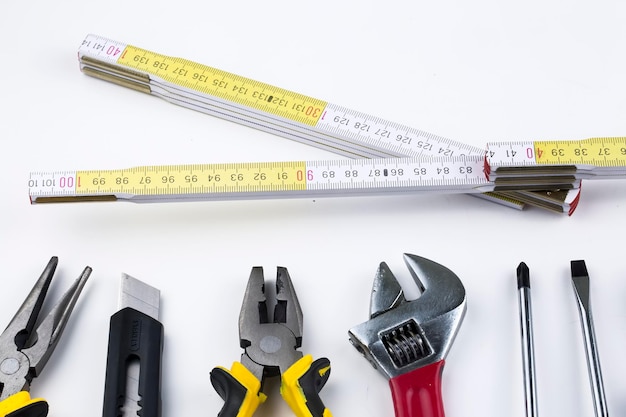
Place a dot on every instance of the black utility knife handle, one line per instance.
(133, 334)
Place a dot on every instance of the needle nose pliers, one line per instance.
(25, 349)
(271, 349)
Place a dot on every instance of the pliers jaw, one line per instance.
(402, 335)
(270, 343)
(24, 348)
(271, 349)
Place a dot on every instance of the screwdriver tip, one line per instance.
(523, 276)
(579, 269)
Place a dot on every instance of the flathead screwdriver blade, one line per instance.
(580, 282)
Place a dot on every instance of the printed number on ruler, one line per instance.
(210, 80)
(600, 152)
(259, 178)
(363, 130)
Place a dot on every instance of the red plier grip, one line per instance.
(418, 393)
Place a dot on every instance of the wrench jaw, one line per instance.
(386, 291)
(402, 336)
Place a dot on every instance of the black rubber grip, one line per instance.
(312, 382)
(133, 335)
(232, 392)
(36, 409)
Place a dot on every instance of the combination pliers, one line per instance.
(271, 349)
(25, 349)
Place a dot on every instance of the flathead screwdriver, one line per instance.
(580, 281)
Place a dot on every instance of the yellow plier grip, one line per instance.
(301, 385)
(239, 388)
(21, 405)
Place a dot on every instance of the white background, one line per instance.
(475, 71)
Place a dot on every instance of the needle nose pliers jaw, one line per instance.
(25, 348)
(271, 349)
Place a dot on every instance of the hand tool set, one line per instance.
(390, 158)
(580, 283)
(406, 341)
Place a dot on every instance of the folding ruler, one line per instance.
(388, 158)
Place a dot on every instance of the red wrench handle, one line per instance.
(418, 393)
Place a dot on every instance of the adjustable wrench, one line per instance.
(407, 341)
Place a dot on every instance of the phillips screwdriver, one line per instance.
(528, 351)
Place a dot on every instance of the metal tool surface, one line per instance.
(26, 345)
(580, 283)
(408, 341)
(271, 349)
(527, 340)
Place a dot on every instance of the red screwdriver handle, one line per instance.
(418, 393)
